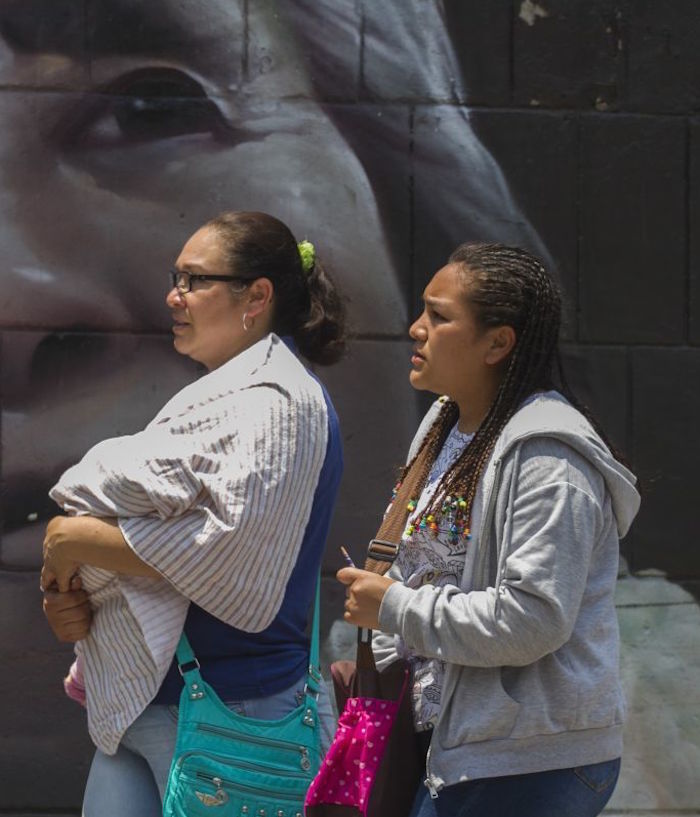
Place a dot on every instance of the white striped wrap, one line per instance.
(215, 493)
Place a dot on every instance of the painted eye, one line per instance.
(141, 106)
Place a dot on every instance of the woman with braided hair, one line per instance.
(501, 596)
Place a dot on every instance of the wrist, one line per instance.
(63, 537)
(387, 609)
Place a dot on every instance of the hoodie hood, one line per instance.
(549, 414)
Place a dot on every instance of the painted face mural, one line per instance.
(126, 129)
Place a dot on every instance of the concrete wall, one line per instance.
(386, 133)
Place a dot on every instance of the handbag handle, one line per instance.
(365, 656)
(384, 548)
(314, 678)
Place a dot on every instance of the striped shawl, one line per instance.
(215, 493)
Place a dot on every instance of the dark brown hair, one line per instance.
(505, 286)
(308, 305)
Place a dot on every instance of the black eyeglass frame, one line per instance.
(191, 276)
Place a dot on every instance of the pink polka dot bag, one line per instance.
(374, 765)
(370, 768)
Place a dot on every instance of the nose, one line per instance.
(174, 298)
(418, 330)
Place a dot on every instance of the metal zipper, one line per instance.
(220, 782)
(304, 762)
(478, 575)
(263, 768)
(486, 523)
(428, 783)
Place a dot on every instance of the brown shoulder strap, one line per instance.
(383, 549)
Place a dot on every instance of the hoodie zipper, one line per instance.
(428, 783)
(486, 523)
(478, 572)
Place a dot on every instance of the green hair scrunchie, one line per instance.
(307, 253)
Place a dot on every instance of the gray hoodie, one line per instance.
(530, 636)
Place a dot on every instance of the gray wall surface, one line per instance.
(387, 133)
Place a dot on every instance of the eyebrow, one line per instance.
(59, 32)
(190, 268)
(432, 301)
(125, 30)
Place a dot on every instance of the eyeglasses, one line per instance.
(182, 281)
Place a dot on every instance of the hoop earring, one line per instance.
(245, 325)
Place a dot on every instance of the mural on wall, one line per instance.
(143, 121)
(127, 124)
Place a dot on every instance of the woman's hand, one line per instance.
(59, 568)
(364, 595)
(69, 614)
(72, 541)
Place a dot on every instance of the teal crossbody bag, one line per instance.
(229, 765)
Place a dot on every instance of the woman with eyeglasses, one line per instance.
(212, 519)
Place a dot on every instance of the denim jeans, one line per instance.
(132, 782)
(578, 792)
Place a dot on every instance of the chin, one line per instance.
(414, 378)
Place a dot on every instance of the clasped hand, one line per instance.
(66, 605)
(69, 614)
(58, 569)
(364, 594)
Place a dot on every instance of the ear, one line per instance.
(501, 343)
(259, 297)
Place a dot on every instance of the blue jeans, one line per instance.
(132, 782)
(579, 792)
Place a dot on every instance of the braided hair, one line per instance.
(506, 286)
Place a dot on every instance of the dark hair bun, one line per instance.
(308, 305)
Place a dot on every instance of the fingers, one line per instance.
(57, 602)
(69, 614)
(48, 578)
(51, 580)
(347, 575)
(70, 632)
